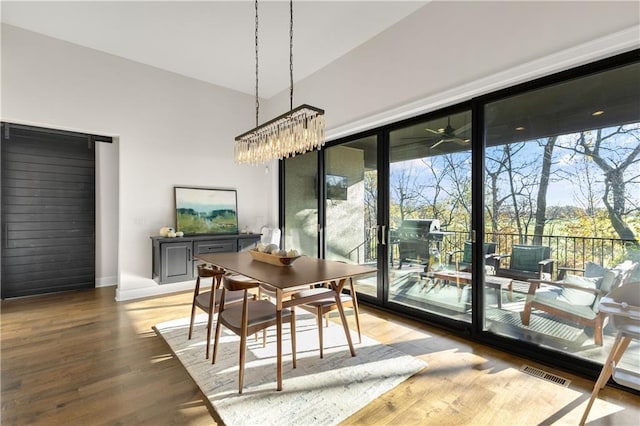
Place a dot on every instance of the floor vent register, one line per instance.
(544, 375)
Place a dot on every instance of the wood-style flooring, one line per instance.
(80, 358)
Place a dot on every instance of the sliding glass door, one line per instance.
(301, 229)
(429, 195)
(402, 205)
(351, 203)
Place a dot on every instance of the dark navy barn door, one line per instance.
(48, 211)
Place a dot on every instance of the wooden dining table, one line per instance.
(305, 271)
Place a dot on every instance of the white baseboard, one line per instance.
(106, 281)
(158, 290)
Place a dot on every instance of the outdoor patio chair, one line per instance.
(465, 263)
(623, 306)
(525, 262)
(576, 298)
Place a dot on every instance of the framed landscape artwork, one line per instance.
(206, 210)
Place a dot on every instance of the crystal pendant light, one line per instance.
(297, 131)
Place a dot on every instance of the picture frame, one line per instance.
(336, 187)
(206, 211)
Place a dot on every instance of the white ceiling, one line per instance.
(214, 41)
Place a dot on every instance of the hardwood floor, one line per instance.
(80, 358)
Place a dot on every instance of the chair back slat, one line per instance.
(233, 283)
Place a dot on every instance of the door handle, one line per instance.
(384, 235)
(188, 255)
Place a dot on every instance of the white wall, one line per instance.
(448, 52)
(170, 131)
(176, 131)
(107, 223)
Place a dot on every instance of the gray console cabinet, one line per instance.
(174, 258)
(176, 261)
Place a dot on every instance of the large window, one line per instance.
(509, 216)
(562, 196)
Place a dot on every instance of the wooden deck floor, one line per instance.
(82, 358)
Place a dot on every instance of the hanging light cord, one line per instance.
(257, 98)
(295, 132)
(290, 60)
(290, 54)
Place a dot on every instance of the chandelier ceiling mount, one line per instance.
(297, 131)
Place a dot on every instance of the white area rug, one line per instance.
(318, 392)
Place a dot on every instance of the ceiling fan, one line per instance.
(449, 134)
(446, 134)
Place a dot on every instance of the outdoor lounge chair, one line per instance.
(623, 306)
(465, 264)
(576, 298)
(526, 262)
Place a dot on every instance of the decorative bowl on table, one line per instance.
(273, 259)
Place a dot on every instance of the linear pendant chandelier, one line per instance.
(297, 131)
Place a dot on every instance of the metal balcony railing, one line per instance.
(567, 251)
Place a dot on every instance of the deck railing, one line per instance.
(567, 251)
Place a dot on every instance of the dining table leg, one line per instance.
(279, 338)
(337, 288)
(293, 336)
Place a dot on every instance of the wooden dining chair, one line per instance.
(248, 317)
(208, 301)
(268, 291)
(322, 307)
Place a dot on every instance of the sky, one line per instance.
(568, 168)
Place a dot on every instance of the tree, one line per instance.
(406, 189)
(615, 152)
(370, 199)
(588, 194)
(512, 166)
(494, 205)
(456, 172)
(432, 199)
(541, 200)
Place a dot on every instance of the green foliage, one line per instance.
(193, 224)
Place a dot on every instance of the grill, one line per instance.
(418, 228)
(414, 237)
